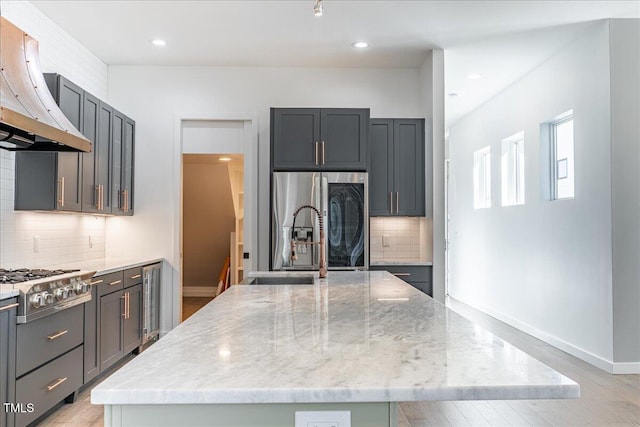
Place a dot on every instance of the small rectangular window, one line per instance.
(482, 178)
(562, 151)
(513, 170)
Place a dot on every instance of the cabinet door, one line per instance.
(70, 99)
(111, 316)
(90, 161)
(132, 324)
(127, 166)
(91, 336)
(381, 167)
(295, 138)
(408, 155)
(116, 162)
(7, 358)
(343, 139)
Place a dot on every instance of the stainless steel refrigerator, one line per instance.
(343, 200)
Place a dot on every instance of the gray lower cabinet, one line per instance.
(419, 276)
(8, 312)
(332, 139)
(397, 167)
(91, 335)
(120, 315)
(49, 366)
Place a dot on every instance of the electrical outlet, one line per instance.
(36, 244)
(386, 241)
(323, 419)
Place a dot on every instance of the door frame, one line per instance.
(250, 143)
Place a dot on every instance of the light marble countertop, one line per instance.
(7, 291)
(108, 265)
(353, 337)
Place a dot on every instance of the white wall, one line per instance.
(64, 238)
(545, 266)
(625, 141)
(153, 96)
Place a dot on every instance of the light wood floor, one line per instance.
(606, 400)
(192, 304)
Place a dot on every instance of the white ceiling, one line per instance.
(500, 40)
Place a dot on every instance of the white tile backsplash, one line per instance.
(409, 239)
(63, 238)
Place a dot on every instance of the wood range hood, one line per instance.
(30, 119)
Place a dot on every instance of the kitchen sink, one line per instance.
(276, 280)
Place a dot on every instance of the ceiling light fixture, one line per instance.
(360, 45)
(158, 42)
(224, 159)
(474, 76)
(317, 8)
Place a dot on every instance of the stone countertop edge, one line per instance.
(113, 266)
(352, 337)
(6, 292)
(400, 263)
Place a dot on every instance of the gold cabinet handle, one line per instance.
(56, 383)
(316, 153)
(391, 201)
(397, 201)
(101, 197)
(97, 282)
(401, 274)
(61, 192)
(323, 152)
(128, 305)
(115, 283)
(57, 335)
(123, 297)
(137, 276)
(97, 195)
(9, 307)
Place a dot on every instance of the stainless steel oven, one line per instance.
(343, 200)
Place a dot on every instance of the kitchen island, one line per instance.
(356, 341)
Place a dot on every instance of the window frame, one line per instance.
(513, 170)
(482, 178)
(553, 140)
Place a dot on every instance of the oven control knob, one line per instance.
(46, 298)
(61, 294)
(81, 288)
(35, 300)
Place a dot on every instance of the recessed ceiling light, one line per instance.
(453, 95)
(158, 42)
(224, 159)
(360, 45)
(474, 76)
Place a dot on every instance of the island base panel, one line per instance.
(383, 414)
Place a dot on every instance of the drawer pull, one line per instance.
(9, 307)
(137, 276)
(56, 383)
(97, 282)
(57, 335)
(401, 274)
(115, 283)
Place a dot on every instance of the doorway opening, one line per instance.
(212, 226)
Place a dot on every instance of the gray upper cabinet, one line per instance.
(319, 139)
(97, 182)
(53, 181)
(397, 167)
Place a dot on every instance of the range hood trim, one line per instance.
(27, 108)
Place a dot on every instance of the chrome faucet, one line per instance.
(322, 265)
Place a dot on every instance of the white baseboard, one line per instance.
(626, 368)
(597, 361)
(199, 291)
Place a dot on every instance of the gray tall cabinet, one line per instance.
(397, 167)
